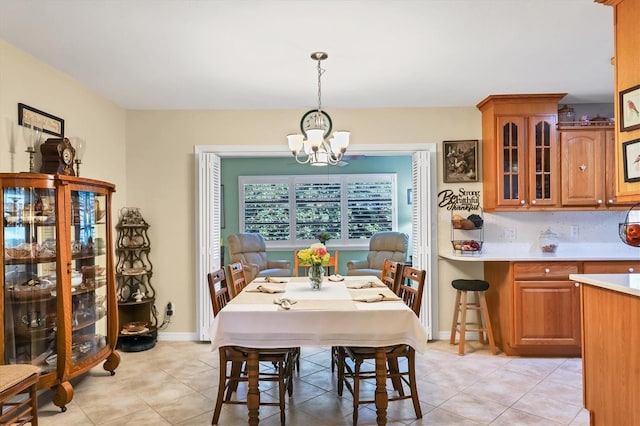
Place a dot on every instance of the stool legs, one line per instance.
(460, 320)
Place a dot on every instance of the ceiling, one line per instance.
(255, 54)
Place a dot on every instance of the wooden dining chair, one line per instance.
(392, 274)
(236, 278)
(297, 264)
(237, 356)
(410, 290)
(16, 381)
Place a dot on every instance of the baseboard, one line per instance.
(446, 335)
(178, 337)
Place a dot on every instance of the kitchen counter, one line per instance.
(505, 252)
(623, 283)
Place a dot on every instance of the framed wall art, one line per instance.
(460, 161)
(40, 119)
(630, 109)
(631, 160)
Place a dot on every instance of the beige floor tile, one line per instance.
(175, 383)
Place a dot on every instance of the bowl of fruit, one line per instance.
(466, 246)
(630, 233)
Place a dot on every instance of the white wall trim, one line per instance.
(178, 336)
(282, 150)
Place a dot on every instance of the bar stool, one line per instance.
(460, 324)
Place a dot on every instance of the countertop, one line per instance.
(623, 283)
(505, 252)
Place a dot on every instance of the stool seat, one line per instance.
(470, 285)
(460, 323)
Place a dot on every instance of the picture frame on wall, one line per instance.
(34, 117)
(460, 160)
(631, 160)
(630, 109)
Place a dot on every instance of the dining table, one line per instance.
(346, 311)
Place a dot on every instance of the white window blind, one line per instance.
(348, 207)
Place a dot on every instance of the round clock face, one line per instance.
(67, 156)
(310, 118)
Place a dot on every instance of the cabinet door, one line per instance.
(543, 161)
(546, 313)
(582, 154)
(511, 161)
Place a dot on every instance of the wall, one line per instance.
(149, 155)
(24, 79)
(164, 188)
(232, 168)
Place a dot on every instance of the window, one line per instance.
(291, 210)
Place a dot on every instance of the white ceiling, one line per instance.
(254, 54)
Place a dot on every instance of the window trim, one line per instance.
(344, 180)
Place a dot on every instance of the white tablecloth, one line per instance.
(328, 317)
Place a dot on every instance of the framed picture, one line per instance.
(40, 119)
(460, 161)
(630, 109)
(631, 160)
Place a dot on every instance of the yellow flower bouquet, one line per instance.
(317, 257)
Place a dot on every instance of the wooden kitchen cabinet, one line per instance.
(520, 152)
(587, 167)
(611, 267)
(534, 307)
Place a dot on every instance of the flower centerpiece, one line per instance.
(316, 256)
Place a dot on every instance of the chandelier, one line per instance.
(314, 145)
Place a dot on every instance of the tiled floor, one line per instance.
(175, 383)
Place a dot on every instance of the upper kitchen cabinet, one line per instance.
(587, 180)
(626, 61)
(520, 152)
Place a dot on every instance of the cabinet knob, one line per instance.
(577, 284)
(533, 201)
(547, 270)
(583, 167)
(523, 202)
(631, 270)
(599, 201)
(610, 201)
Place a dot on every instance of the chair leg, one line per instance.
(487, 322)
(394, 372)
(463, 322)
(282, 387)
(221, 386)
(411, 360)
(479, 318)
(356, 391)
(456, 314)
(234, 378)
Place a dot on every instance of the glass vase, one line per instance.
(316, 275)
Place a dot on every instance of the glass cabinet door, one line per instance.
(543, 157)
(88, 235)
(29, 278)
(511, 166)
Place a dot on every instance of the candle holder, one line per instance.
(79, 144)
(31, 135)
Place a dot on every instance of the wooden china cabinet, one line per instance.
(58, 306)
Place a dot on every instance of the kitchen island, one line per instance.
(610, 315)
(533, 303)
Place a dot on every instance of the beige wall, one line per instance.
(23, 79)
(164, 187)
(149, 155)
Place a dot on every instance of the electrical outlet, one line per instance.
(171, 309)
(575, 232)
(510, 234)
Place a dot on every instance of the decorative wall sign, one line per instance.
(463, 200)
(460, 161)
(630, 109)
(631, 160)
(40, 119)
